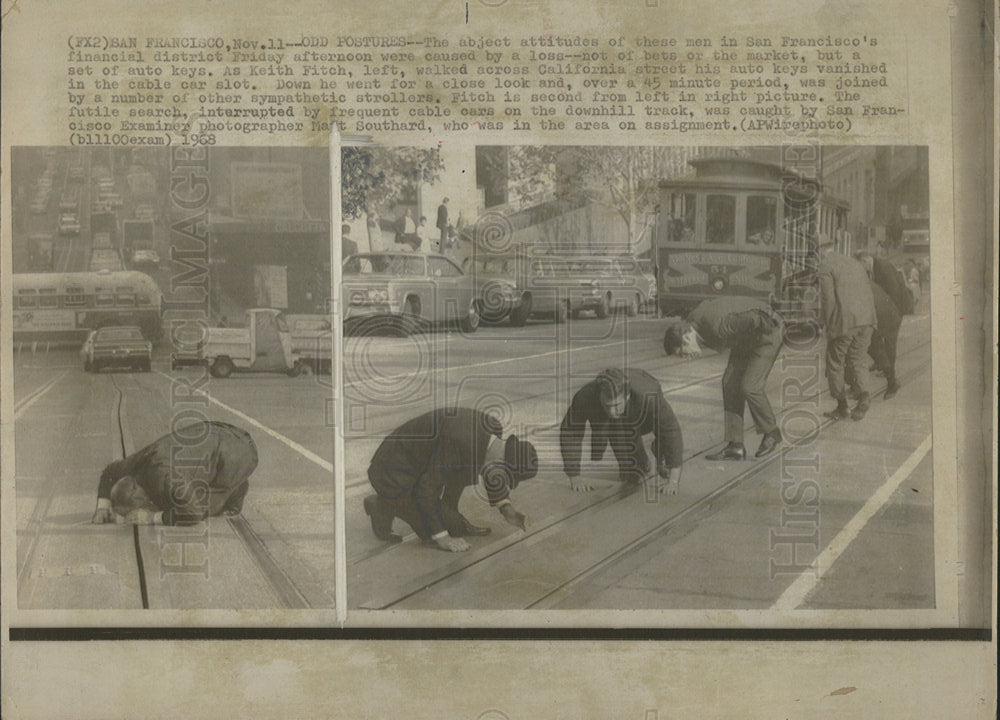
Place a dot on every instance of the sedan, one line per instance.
(146, 258)
(116, 346)
(408, 289)
(68, 224)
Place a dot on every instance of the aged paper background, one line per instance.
(945, 51)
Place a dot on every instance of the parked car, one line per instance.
(146, 258)
(116, 346)
(617, 288)
(68, 224)
(409, 290)
(499, 283)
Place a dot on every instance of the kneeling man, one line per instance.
(199, 470)
(420, 470)
(622, 406)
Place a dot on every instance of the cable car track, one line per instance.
(282, 586)
(565, 588)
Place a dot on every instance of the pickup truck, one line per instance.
(265, 343)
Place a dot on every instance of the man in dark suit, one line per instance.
(442, 224)
(848, 311)
(622, 406)
(420, 470)
(753, 334)
(198, 471)
(884, 274)
(348, 246)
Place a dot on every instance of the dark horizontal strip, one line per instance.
(78, 634)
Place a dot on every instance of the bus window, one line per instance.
(26, 299)
(103, 298)
(125, 296)
(75, 296)
(762, 213)
(721, 219)
(683, 213)
(47, 298)
(143, 299)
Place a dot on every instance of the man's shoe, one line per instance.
(732, 451)
(381, 518)
(861, 408)
(890, 392)
(769, 443)
(841, 412)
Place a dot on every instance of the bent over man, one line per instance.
(420, 470)
(753, 335)
(622, 406)
(197, 471)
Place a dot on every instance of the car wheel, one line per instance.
(632, 308)
(602, 309)
(295, 370)
(222, 367)
(410, 319)
(470, 323)
(520, 314)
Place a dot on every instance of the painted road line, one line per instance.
(805, 583)
(485, 363)
(35, 396)
(308, 454)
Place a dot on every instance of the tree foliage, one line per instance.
(375, 176)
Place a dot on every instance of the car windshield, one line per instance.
(384, 265)
(119, 333)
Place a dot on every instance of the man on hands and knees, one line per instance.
(753, 334)
(622, 406)
(198, 471)
(420, 470)
(847, 307)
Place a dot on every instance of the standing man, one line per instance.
(848, 311)
(442, 225)
(753, 334)
(622, 406)
(420, 470)
(892, 301)
(198, 471)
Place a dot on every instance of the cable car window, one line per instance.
(103, 298)
(762, 216)
(47, 298)
(721, 219)
(75, 296)
(682, 223)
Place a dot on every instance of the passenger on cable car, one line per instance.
(197, 471)
(753, 334)
(621, 406)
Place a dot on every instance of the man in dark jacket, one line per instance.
(199, 470)
(753, 334)
(848, 310)
(420, 470)
(884, 339)
(442, 225)
(884, 274)
(622, 406)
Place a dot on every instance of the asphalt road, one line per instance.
(69, 424)
(856, 497)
